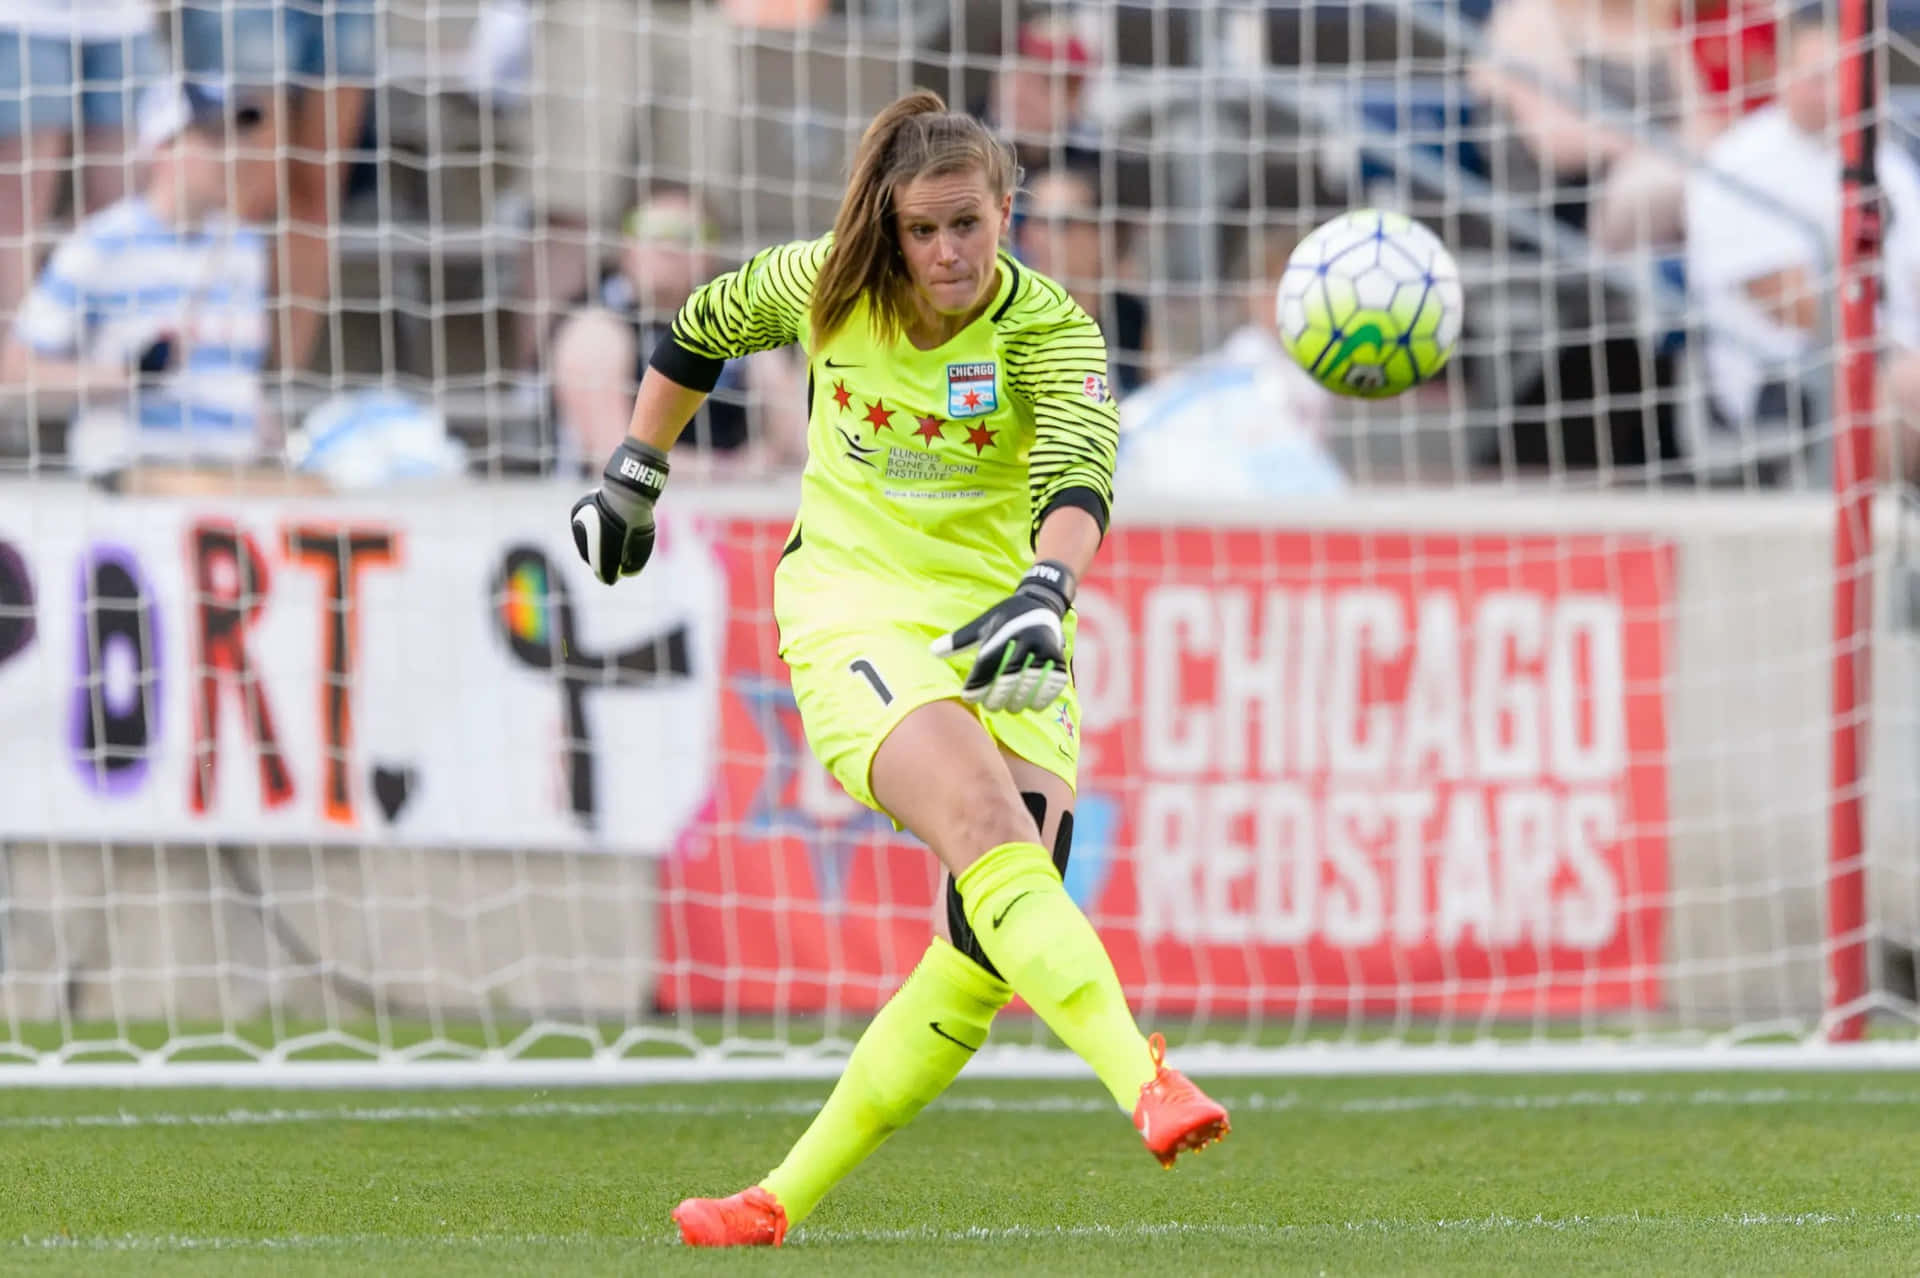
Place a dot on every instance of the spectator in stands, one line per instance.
(69, 74)
(618, 96)
(1630, 70)
(154, 311)
(322, 57)
(1244, 421)
(1059, 232)
(602, 348)
(1757, 277)
(1038, 97)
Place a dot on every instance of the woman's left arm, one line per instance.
(1061, 370)
(1069, 535)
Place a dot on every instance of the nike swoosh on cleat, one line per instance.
(1009, 907)
(935, 1027)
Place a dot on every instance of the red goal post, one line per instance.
(1862, 34)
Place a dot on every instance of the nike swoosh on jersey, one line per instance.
(935, 1027)
(1008, 907)
(830, 364)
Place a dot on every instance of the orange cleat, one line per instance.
(1173, 1116)
(751, 1218)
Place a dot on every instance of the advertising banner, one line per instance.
(430, 669)
(1346, 770)
(1358, 771)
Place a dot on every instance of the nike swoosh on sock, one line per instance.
(1008, 907)
(935, 1027)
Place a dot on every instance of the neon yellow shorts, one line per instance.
(854, 686)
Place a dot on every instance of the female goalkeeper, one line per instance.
(960, 466)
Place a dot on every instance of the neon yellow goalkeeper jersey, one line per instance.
(928, 472)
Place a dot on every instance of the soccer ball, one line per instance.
(1370, 304)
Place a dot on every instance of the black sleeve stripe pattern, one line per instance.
(1055, 353)
(760, 306)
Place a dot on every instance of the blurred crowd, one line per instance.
(1740, 182)
(174, 176)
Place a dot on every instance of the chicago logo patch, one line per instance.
(972, 389)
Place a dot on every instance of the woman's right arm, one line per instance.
(661, 409)
(761, 305)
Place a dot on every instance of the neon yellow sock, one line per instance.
(1050, 954)
(911, 1051)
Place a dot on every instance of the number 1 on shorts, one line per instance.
(865, 670)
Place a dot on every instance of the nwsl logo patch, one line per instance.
(972, 389)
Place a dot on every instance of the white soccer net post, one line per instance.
(1556, 715)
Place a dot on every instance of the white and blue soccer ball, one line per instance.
(1370, 304)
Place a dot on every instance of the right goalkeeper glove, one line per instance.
(613, 525)
(1022, 662)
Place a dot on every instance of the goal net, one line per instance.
(1557, 714)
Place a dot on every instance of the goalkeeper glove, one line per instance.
(613, 525)
(1022, 662)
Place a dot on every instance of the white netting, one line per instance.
(1501, 713)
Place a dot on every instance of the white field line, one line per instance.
(1379, 1226)
(1384, 1227)
(299, 1242)
(1256, 1102)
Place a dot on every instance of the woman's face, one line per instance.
(949, 227)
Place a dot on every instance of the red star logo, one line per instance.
(929, 429)
(973, 399)
(880, 417)
(842, 396)
(981, 438)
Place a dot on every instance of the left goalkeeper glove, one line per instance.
(1022, 663)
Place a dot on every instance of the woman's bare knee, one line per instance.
(1055, 795)
(940, 775)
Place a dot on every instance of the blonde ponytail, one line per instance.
(914, 136)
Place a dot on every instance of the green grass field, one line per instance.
(1746, 1174)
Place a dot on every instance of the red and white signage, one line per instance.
(1346, 771)
(1353, 771)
